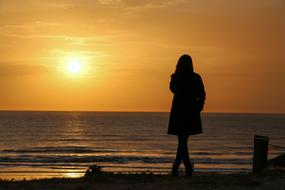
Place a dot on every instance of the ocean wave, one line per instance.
(70, 150)
(86, 150)
(112, 159)
(53, 150)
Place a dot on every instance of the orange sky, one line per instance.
(129, 48)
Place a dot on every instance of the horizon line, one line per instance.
(135, 111)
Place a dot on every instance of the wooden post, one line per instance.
(260, 153)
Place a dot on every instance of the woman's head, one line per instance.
(184, 64)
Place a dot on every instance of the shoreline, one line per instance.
(74, 175)
(269, 179)
(34, 175)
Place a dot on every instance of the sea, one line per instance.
(64, 144)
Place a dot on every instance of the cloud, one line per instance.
(140, 3)
(87, 54)
(26, 30)
(33, 31)
(20, 5)
(16, 70)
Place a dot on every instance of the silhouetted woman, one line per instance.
(188, 102)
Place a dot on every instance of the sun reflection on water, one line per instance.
(72, 174)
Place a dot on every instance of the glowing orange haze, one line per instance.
(119, 55)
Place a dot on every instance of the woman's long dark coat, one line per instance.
(188, 102)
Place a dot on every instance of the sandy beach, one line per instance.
(268, 180)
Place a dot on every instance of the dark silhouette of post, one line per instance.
(260, 153)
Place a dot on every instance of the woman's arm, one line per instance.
(201, 94)
(173, 85)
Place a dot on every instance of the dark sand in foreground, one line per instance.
(271, 180)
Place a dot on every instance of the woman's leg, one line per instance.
(185, 155)
(182, 154)
(183, 150)
(178, 158)
(179, 153)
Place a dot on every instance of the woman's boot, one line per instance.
(174, 171)
(189, 169)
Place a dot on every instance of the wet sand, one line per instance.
(269, 180)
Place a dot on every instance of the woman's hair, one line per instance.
(184, 64)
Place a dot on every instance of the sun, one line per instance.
(74, 65)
